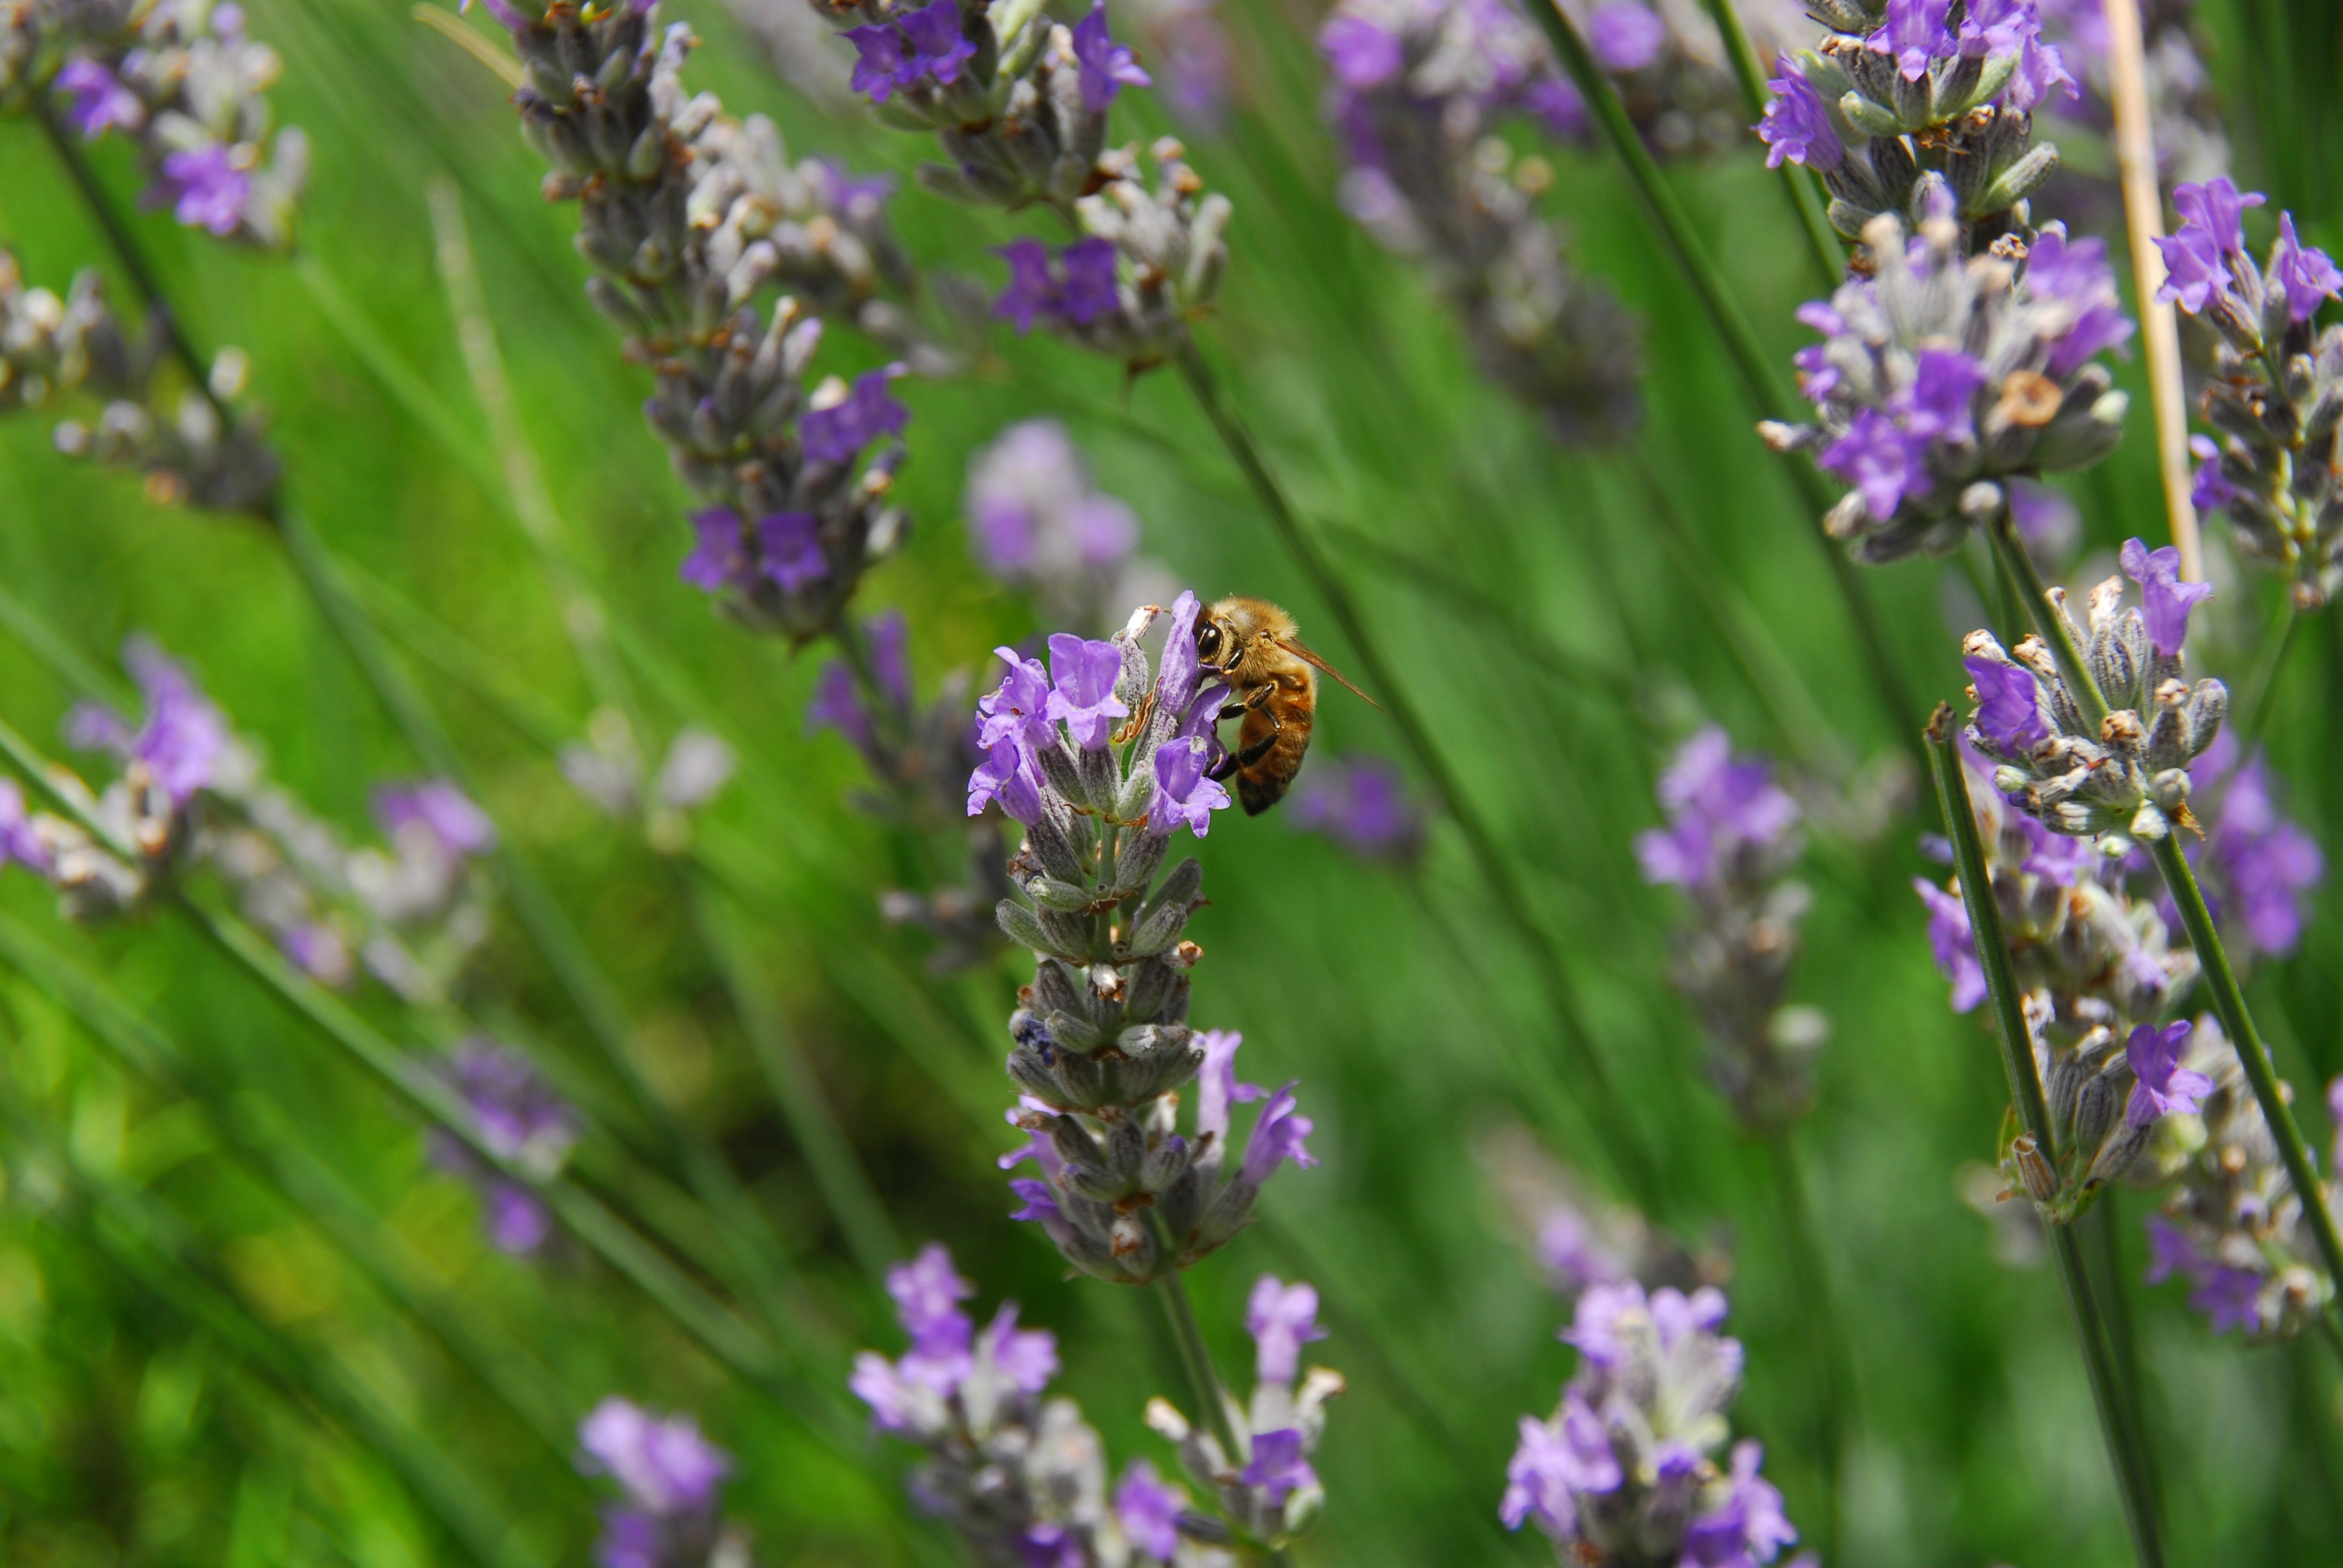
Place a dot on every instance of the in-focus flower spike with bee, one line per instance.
(184, 80)
(1103, 759)
(1268, 1491)
(54, 351)
(1019, 103)
(1730, 841)
(2127, 778)
(2275, 397)
(688, 216)
(1418, 93)
(1943, 375)
(2232, 1228)
(1908, 102)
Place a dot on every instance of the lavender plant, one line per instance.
(1038, 521)
(2275, 394)
(1102, 760)
(198, 446)
(1021, 1479)
(1625, 1470)
(1914, 105)
(185, 82)
(521, 1122)
(1945, 375)
(1265, 1487)
(1731, 839)
(668, 1475)
(2233, 1227)
(1418, 93)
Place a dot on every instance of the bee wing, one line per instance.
(1303, 654)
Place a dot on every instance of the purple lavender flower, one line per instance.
(2308, 275)
(2166, 600)
(1749, 1526)
(880, 60)
(1008, 774)
(2211, 490)
(1032, 290)
(1183, 794)
(1278, 1467)
(1281, 1318)
(663, 1464)
(19, 840)
(1148, 1511)
(720, 559)
(1882, 461)
(1362, 804)
(2075, 274)
(2009, 704)
(790, 545)
(206, 188)
(2197, 257)
(1019, 707)
(835, 434)
(1914, 34)
(938, 45)
(1090, 291)
(182, 737)
(1085, 673)
(2231, 1298)
(1107, 67)
(1721, 814)
(436, 807)
(518, 1115)
(1554, 1460)
(926, 42)
(928, 1292)
(1937, 404)
(1797, 127)
(836, 705)
(2165, 1087)
(2267, 864)
(2002, 28)
(1360, 53)
(1625, 35)
(1953, 943)
(97, 101)
(1277, 1137)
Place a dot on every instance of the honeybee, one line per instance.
(1272, 679)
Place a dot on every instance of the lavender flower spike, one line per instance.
(1927, 435)
(1267, 1488)
(668, 1474)
(2271, 465)
(1626, 1469)
(1019, 1477)
(1100, 1042)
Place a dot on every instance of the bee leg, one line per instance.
(1236, 762)
(1258, 698)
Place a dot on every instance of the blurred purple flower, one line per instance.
(1281, 1318)
(1954, 944)
(437, 808)
(1278, 1467)
(1881, 460)
(97, 101)
(1625, 35)
(206, 188)
(1277, 1137)
(2308, 275)
(1362, 804)
(182, 737)
(1914, 34)
(835, 434)
(1107, 67)
(2165, 1087)
(663, 1466)
(1148, 1511)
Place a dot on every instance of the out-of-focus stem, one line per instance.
(2144, 221)
(1608, 1113)
(1833, 1387)
(2246, 1039)
(2127, 1454)
(1830, 255)
(2253, 709)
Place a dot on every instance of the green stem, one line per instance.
(2025, 580)
(845, 1186)
(1759, 380)
(2244, 1039)
(2123, 1340)
(1608, 1113)
(2126, 1454)
(1828, 1347)
(1203, 1383)
(2253, 712)
(1822, 240)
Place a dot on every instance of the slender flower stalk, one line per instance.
(2126, 1450)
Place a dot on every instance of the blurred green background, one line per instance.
(140, 1421)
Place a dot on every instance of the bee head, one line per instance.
(1212, 641)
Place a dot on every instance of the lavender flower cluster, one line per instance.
(1418, 93)
(185, 82)
(1022, 1479)
(192, 796)
(1910, 105)
(1625, 1470)
(1267, 1491)
(666, 1474)
(1102, 760)
(2232, 1226)
(2275, 394)
(1037, 520)
(54, 351)
(2257, 866)
(1944, 375)
(522, 1121)
(1020, 106)
(1731, 839)
(688, 216)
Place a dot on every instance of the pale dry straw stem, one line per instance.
(2144, 219)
